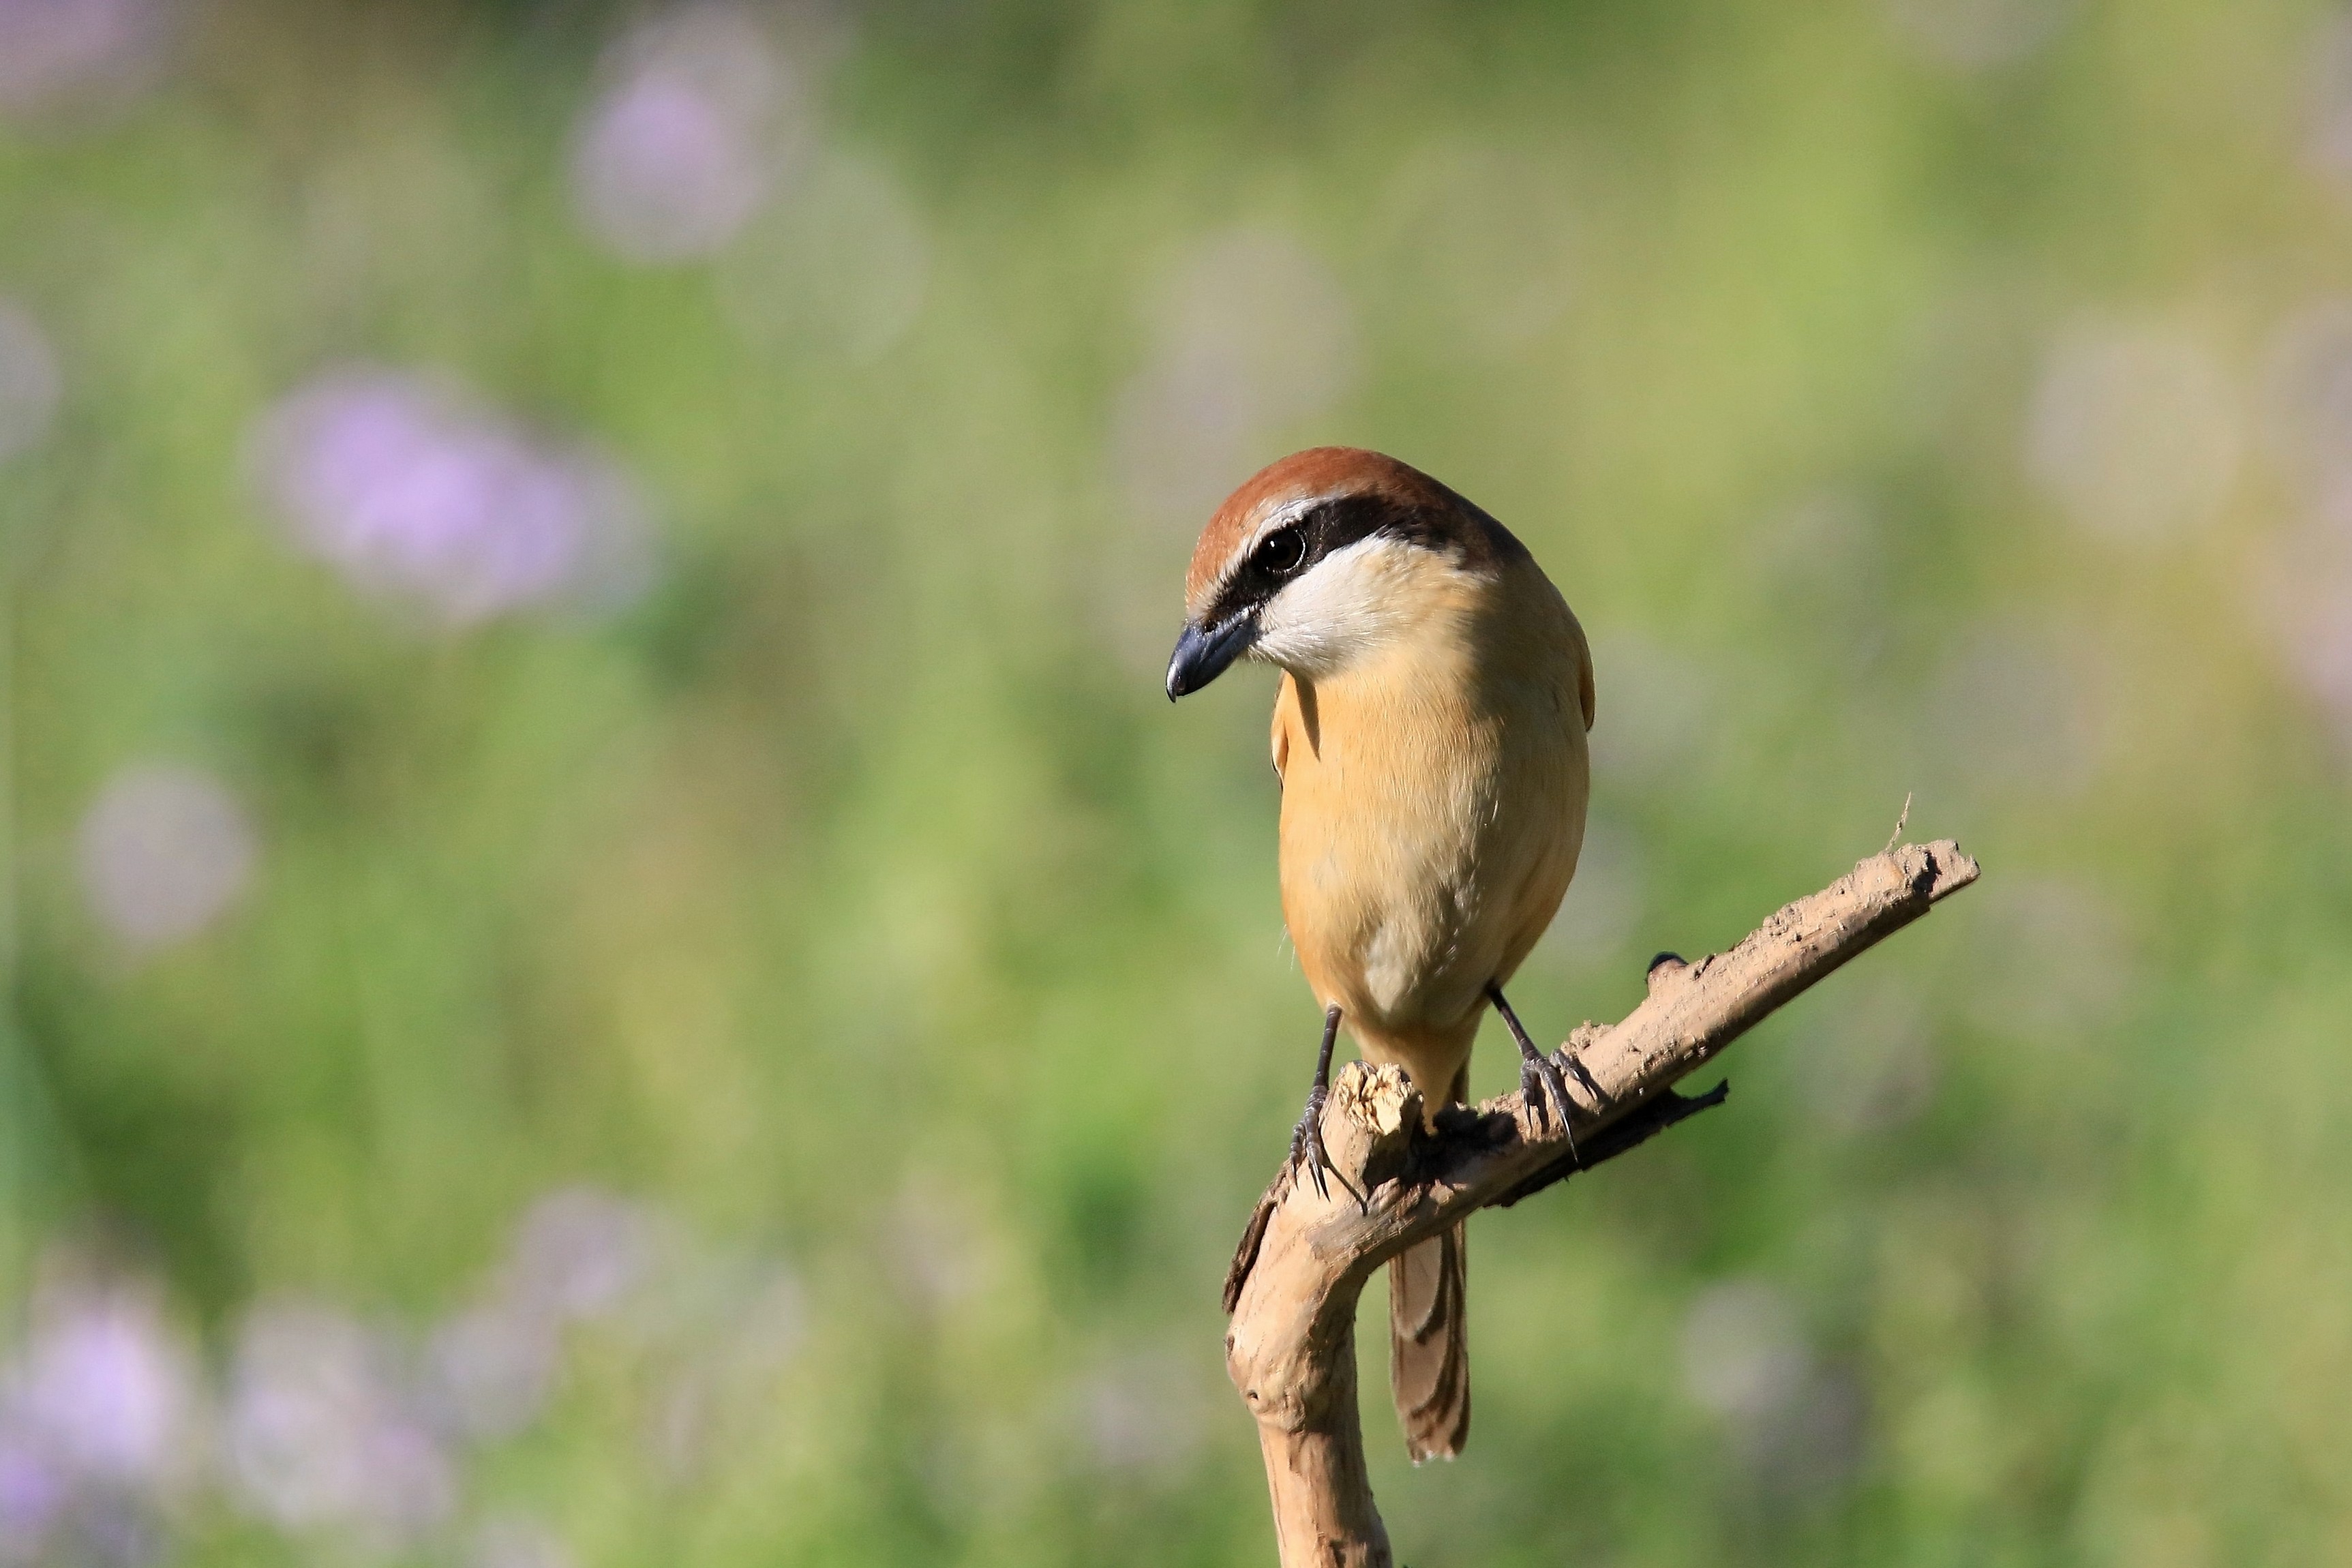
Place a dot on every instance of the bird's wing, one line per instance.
(1281, 741)
(1583, 669)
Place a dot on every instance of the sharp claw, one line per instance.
(1534, 1092)
(1306, 1149)
(1545, 1094)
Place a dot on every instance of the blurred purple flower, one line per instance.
(164, 850)
(32, 1493)
(28, 378)
(105, 1389)
(319, 1434)
(688, 141)
(578, 1252)
(61, 55)
(410, 490)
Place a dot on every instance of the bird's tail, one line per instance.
(1429, 1336)
(1429, 1346)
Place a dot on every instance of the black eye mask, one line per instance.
(1295, 548)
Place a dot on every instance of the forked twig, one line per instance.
(1306, 1254)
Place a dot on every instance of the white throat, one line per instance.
(1357, 601)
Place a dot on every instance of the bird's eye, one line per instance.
(1280, 553)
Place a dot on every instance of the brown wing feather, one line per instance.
(1584, 691)
(1281, 730)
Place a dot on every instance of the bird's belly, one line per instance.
(1413, 883)
(1408, 954)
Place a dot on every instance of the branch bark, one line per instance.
(1304, 1258)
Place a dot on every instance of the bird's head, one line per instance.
(1321, 557)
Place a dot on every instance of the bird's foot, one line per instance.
(1306, 1152)
(1541, 1088)
(1545, 1093)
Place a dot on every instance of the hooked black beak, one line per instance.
(1202, 656)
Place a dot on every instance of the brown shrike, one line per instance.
(1430, 736)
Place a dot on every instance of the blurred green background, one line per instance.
(615, 957)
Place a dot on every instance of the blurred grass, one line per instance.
(860, 872)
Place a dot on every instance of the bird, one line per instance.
(1430, 740)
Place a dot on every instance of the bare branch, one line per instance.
(1306, 1258)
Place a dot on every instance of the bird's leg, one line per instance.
(1306, 1138)
(1541, 1085)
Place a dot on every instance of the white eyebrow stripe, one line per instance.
(1280, 516)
